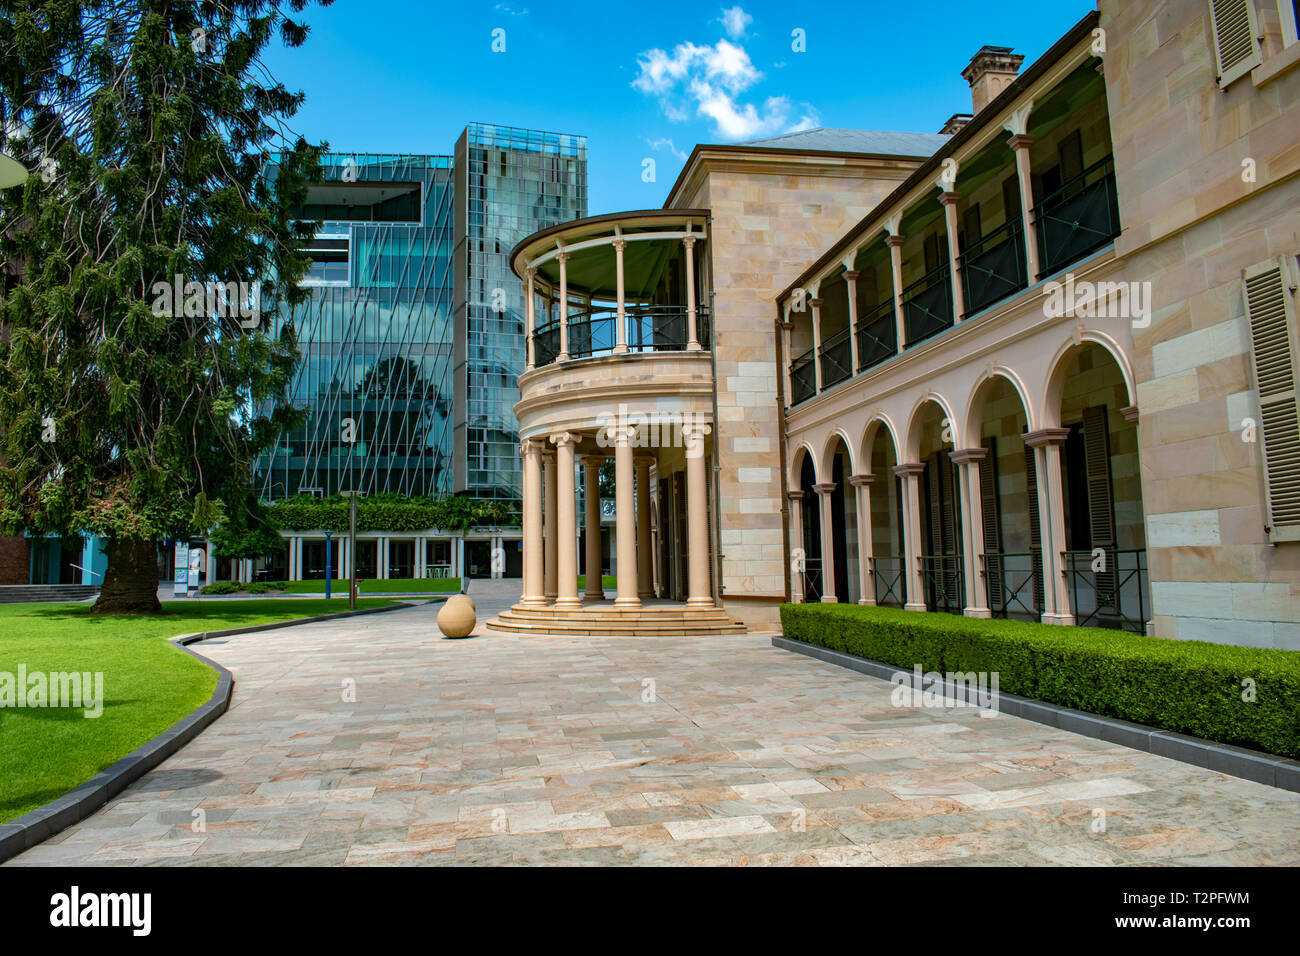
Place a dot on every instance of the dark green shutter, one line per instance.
(1035, 532)
(991, 518)
(1101, 507)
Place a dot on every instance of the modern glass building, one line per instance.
(509, 183)
(409, 351)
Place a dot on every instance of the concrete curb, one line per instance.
(1253, 765)
(40, 824)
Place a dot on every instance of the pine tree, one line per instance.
(137, 367)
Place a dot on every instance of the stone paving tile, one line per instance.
(537, 751)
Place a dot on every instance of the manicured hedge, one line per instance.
(1190, 687)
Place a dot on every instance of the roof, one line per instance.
(878, 142)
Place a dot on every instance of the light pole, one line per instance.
(352, 548)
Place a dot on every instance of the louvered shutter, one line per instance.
(1236, 38)
(992, 520)
(1101, 504)
(1270, 305)
(1035, 532)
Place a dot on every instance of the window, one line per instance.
(1235, 34)
(1289, 14)
(1270, 290)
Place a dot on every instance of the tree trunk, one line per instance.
(131, 579)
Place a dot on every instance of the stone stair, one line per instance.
(595, 620)
(30, 593)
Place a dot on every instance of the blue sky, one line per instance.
(643, 79)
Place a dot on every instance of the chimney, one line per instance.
(990, 71)
(955, 123)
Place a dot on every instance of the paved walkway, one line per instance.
(503, 749)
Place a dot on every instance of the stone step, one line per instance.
(34, 593)
(584, 629)
(671, 621)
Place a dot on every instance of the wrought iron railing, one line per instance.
(650, 328)
(993, 267)
(803, 378)
(837, 358)
(1015, 582)
(1079, 218)
(811, 580)
(927, 306)
(1109, 588)
(887, 580)
(877, 336)
(943, 583)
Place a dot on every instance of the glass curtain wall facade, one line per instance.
(375, 335)
(414, 331)
(509, 184)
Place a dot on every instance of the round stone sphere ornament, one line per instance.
(457, 616)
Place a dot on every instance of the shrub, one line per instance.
(221, 587)
(1190, 687)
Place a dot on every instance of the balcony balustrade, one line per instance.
(877, 336)
(650, 328)
(993, 267)
(803, 378)
(1079, 218)
(927, 306)
(837, 359)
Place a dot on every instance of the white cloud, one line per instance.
(709, 80)
(510, 11)
(735, 21)
(664, 143)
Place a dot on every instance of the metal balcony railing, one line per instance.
(650, 328)
(811, 580)
(927, 306)
(803, 378)
(993, 267)
(1015, 584)
(877, 336)
(1079, 218)
(1109, 588)
(943, 583)
(837, 358)
(887, 580)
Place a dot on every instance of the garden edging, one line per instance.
(1254, 765)
(24, 832)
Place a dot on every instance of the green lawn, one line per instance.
(148, 684)
(373, 585)
(608, 582)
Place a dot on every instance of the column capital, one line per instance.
(1046, 436)
(531, 273)
(1130, 413)
(531, 446)
(561, 256)
(565, 438)
(619, 244)
(794, 495)
(966, 455)
(894, 242)
(1020, 141)
(851, 275)
(787, 326)
(949, 198)
(591, 461)
(696, 429)
(858, 481)
(909, 468)
(816, 303)
(825, 487)
(619, 434)
(689, 241)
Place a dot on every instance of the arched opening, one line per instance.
(1012, 560)
(843, 515)
(810, 529)
(941, 565)
(1101, 496)
(887, 581)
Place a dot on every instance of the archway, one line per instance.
(933, 435)
(842, 570)
(888, 582)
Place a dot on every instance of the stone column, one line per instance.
(866, 583)
(895, 244)
(910, 472)
(799, 566)
(625, 516)
(1046, 443)
(787, 327)
(851, 285)
(824, 490)
(562, 258)
(692, 320)
(551, 511)
(591, 494)
(620, 297)
(534, 579)
(645, 586)
(949, 202)
(817, 341)
(530, 320)
(566, 522)
(697, 509)
(1020, 143)
(968, 461)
